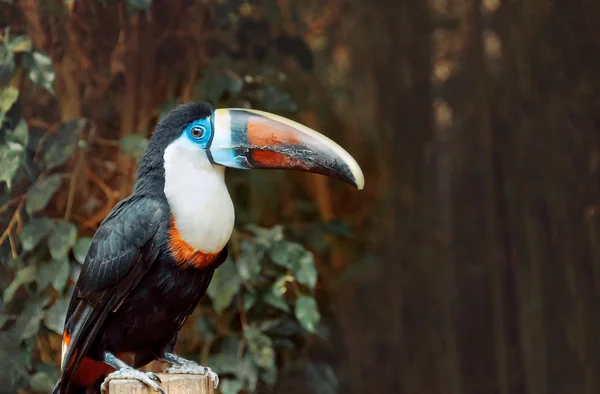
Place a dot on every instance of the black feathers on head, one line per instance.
(169, 128)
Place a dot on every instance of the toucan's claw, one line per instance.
(148, 378)
(182, 366)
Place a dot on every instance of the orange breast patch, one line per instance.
(184, 254)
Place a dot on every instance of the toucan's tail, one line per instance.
(80, 374)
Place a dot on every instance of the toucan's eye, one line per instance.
(197, 132)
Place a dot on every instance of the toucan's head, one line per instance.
(250, 139)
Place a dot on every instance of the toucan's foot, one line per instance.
(183, 366)
(147, 378)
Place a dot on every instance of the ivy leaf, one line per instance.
(28, 322)
(269, 376)
(62, 239)
(296, 258)
(249, 301)
(248, 264)
(223, 363)
(55, 273)
(34, 231)
(23, 277)
(7, 64)
(40, 193)
(321, 378)
(307, 313)
(41, 383)
(261, 348)
(40, 69)
(266, 236)
(20, 44)
(20, 134)
(230, 386)
(133, 145)
(224, 285)
(81, 248)
(275, 295)
(8, 97)
(12, 153)
(14, 373)
(55, 316)
(10, 157)
(59, 146)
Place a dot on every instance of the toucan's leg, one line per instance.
(181, 365)
(124, 371)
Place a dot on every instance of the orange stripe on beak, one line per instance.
(263, 132)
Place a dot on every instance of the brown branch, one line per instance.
(7, 232)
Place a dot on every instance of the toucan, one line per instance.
(152, 258)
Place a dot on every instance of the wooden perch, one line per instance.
(172, 384)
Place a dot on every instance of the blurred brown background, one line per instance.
(470, 263)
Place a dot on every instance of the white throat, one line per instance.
(195, 189)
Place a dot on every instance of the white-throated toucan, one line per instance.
(153, 256)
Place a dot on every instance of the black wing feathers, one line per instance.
(122, 251)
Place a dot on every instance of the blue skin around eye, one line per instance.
(206, 125)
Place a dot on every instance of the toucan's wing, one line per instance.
(121, 253)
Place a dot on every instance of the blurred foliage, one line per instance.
(60, 159)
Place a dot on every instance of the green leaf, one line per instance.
(249, 301)
(276, 294)
(20, 134)
(7, 64)
(41, 383)
(133, 145)
(307, 313)
(20, 44)
(10, 157)
(248, 263)
(14, 373)
(8, 97)
(55, 273)
(62, 239)
(11, 154)
(321, 378)
(55, 316)
(35, 231)
(59, 146)
(28, 322)
(224, 285)
(230, 386)
(24, 276)
(295, 257)
(266, 236)
(269, 376)
(223, 363)
(81, 248)
(261, 348)
(40, 193)
(40, 69)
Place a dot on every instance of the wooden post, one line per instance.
(172, 384)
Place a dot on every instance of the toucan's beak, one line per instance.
(248, 139)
